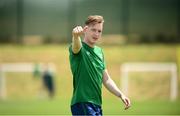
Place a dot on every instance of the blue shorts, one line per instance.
(86, 108)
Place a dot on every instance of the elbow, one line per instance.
(106, 82)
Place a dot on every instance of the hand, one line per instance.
(77, 31)
(126, 101)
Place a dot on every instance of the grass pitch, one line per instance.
(22, 88)
(111, 106)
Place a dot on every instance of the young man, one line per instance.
(89, 70)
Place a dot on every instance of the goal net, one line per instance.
(149, 70)
(21, 68)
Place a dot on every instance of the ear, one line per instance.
(85, 28)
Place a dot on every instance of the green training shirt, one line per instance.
(87, 67)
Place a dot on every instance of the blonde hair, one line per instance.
(94, 19)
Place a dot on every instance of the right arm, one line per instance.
(76, 40)
(112, 87)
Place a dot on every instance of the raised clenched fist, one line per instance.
(77, 31)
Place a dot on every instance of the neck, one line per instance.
(88, 43)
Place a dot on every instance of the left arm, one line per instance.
(111, 86)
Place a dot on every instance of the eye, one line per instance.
(99, 31)
(94, 30)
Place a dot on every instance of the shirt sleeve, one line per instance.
(104, 63)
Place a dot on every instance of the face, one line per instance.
(93, 33)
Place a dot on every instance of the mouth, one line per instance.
(95, 38)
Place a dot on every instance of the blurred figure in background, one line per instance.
(48, 81)
(37, 70)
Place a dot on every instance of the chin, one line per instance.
(93, 42)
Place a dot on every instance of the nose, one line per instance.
(97, 33)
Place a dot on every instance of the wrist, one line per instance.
(76, 36)
(120, 96)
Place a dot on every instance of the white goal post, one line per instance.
(19, 67)
(153, 67)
